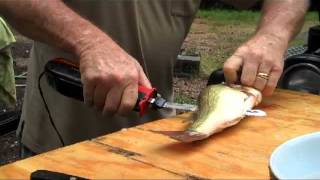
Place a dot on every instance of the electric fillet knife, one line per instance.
(64, 76)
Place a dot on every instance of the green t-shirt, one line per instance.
(7, 81)
(151, 31)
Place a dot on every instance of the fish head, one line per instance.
(252, 93)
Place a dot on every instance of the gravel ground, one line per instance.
(9, 151)
(9, 142)
(9, 146)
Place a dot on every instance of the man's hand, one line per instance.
(110, 77)
(261, 61)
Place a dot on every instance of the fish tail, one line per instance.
(184, 136)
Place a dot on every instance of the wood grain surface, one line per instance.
(239, 152)
(89, 160)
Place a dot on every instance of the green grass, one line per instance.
(312, 17)
(227, 16)
(249, 17)
(184, 99)
(297, 42)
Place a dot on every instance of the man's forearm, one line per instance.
(282, 19)
(51, 22)
(110, 76)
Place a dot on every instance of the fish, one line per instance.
(219, 106)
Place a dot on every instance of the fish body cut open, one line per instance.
(219, 106)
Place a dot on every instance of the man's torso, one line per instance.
(152, 31)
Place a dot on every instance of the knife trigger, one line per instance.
(151, 100)
(158, 102)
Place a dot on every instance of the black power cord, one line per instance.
(48, 111)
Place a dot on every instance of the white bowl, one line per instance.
(298, 158)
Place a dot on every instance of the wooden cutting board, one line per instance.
(240, 152)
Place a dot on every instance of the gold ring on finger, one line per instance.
(263, 76)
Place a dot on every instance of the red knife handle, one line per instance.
(144, 96)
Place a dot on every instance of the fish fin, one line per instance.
(184, 136)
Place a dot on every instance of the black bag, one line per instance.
(302, 71)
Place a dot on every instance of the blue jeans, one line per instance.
(26, 152)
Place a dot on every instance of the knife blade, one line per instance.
(159, 103)
(186, 107)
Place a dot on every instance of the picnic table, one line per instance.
(241, 152)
